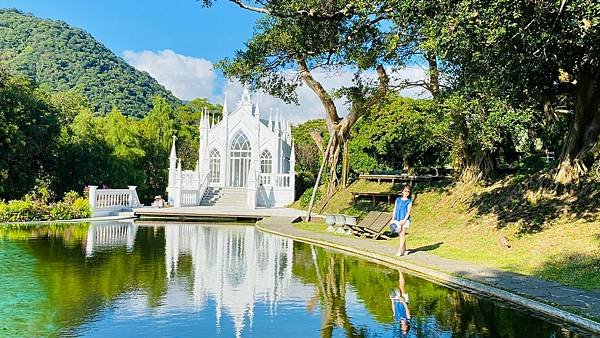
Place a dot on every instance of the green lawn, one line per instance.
(565, 248)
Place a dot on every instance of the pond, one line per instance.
(223, 280)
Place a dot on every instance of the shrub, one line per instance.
(72, 206)
(70, 197)
(61, 211)
(35, 207)
(305, 198)
(81, 208)
(19, 211)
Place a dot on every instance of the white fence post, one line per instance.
(134, 200)
(92, 197)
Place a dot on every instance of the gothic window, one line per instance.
(285, 165)
(215, 166)
(266, 162)
(240, 160)
(240, 147)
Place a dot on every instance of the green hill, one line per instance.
(60, 57)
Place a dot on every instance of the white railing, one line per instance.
(276, 180)
(203, 187)
(190, 195)
(103, 202)
(101, 235)
(264, 179)
(189, 178)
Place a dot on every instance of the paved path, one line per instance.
(575, 300)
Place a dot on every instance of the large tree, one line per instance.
(532, 54)
(292, 48)
(29, 126)
(528, 55)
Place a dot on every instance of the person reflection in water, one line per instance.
(399, 299)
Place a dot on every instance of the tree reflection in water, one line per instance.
(435, 310)
(69, 275)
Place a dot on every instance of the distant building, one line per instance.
(244, 161)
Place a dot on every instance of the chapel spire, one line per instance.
(225, 103)
(246, 95)
(173, 151)
(257, 108)
(270, 125)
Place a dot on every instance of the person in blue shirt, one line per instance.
(401, 218)
(399, 299)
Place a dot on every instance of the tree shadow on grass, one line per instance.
(578, 270)
(534, 203)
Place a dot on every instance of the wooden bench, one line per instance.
(403, 177)
(373, 225)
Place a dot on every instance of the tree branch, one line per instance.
(347, 11)
(359, 109)
(331, 114)
(251, 8)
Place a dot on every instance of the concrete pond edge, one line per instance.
(452, 281)
(74, 220)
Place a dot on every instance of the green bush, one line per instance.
(81, 208)
(61, 211)
(305, 198)
(20, 211)
(72, 206)
(32, 208)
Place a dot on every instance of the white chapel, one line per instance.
(244, 161)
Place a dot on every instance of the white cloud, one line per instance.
(187, 77)
(310, 106)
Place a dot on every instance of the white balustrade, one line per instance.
(191, 195)
(188, 178)
(276, 180)
(264, 179)
(104, 202)
(108, 235)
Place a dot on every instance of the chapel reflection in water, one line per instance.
(245, 278)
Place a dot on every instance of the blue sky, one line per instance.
(183, 26)
(178, 41)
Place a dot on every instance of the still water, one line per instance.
(125, 279)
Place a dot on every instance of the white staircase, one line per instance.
(224, 197)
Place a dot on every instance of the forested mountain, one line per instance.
(60, 57)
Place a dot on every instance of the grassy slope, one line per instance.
(565, 249)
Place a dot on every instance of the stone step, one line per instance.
(224, 197)
(126, 214)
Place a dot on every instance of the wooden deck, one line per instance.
(214, 213)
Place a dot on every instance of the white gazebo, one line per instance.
(244, 161)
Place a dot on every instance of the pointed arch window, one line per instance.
(266, 162)
(240, 146)
(240, 152)
(215, 166)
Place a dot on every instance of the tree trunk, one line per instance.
(474, 164)
(582, 145)
(339, 128)
(434, 75)
(345, 165)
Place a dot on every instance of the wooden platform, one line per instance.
(214, 213)
(375, 195)
(402, 178)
